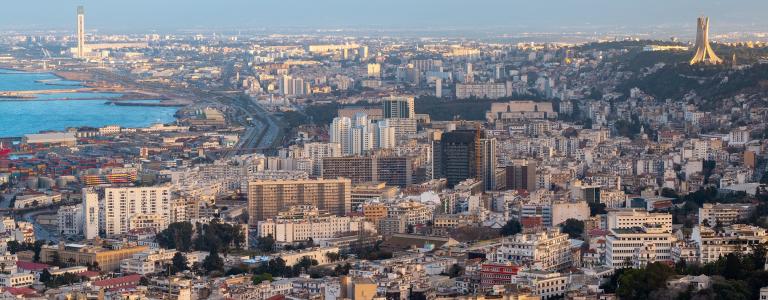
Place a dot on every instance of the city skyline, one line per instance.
(487, 15)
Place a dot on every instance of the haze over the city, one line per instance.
(136, 15)
(376, 150)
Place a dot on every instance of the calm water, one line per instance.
(19, 117)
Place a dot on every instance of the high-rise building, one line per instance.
(80, 32)
(358, 136)
(470, 78)
(268, 197)
(521, 175)
(340, 130)
(439, 87)
(317, 151)
(374, 70)
(703, 51)
(402, 127)
(394, 170)
(489, 163)
(361, 139)
(290, 86)
(457, 156)
(385, 135)
(399, 107)
(362, 52)
(90, 213)
(128, 208)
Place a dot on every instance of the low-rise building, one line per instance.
(548, 250)
(623, 244)
(319, 254)
(302, 223)
(736, 238)
(723, 214)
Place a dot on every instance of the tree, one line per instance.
(455, 271)
(13, 247)
(219, 236)
(340, 270)
(266, 244)
(732, 269)
(177, 236)
(179, 262)
(143, 281)
(45, 276)
(259, 278)
(276, 267)
(574, 228)
(511, 228)
(333, 256)
(56, 259)
(213, 262)
(597, 209)
(639, 283)
(36, 248)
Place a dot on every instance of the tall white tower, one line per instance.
(80, 31)
(90, 214)
(340, 131)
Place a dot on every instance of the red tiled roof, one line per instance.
(19, 291)
(90, 274)
(31, 266)
(119, 281)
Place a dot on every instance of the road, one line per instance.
(41, 233)
(260, 133)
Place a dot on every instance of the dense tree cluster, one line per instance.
(735, 276)
(51, 281)
(511, 228)
(207, 237)
(574, 228)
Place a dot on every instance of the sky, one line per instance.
(535, 15)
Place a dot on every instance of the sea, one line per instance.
(52, 111)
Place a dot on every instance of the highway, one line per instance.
(261, 129)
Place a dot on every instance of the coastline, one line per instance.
(86, 86)
(83, 94)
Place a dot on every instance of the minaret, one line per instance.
(80, 32)
(703, 51)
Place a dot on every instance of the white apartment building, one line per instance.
(723, 213)
(414, 212)
(302, 223)
(622, 245)
(17, 280)
(91, 214)
(317, 151)
(70, 220)
(734, 238)
(548, 250)
(544, 284)
(147, 262)
(129, 208)
(340, 130)
(630, 218)
(481, 90)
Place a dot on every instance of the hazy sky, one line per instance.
(136, 15)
